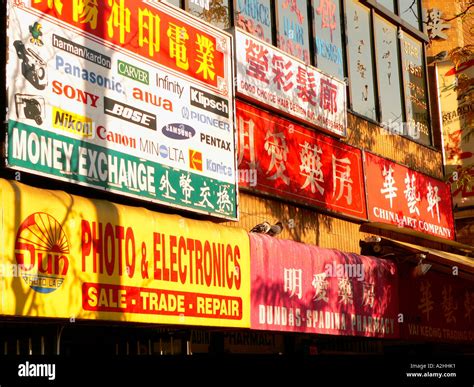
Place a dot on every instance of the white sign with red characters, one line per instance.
(268, 75)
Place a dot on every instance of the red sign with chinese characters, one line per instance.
(270, 76)
(406, 198)
(281, 158)
(151, 30)
(302, 288)
(436, 306)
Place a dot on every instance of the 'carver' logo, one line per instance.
(41, 251)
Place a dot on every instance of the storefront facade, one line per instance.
(143, 145)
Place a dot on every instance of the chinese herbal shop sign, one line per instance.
(436, 306)
(271, 77)
(281, 158)
(303, 288)
(129, 97)
(65, 255)
(405, 198)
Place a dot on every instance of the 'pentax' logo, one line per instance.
(209, 102)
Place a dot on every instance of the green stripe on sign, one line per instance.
(78, 161)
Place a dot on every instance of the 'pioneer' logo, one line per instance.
(129, 113)
(209, 102)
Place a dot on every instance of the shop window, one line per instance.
(387, 4)
(361, 81)
(408, 11)
(255, 17)
(215, 12)
(388, 71)
(293, 28)
(176, 3)
(328, 37)
(414, 78)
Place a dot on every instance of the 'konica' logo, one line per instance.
(178, 131)
(41, 251)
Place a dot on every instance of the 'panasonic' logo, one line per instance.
(209, 102)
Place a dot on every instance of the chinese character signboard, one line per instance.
(106, 261)
(414, 77)
(436, 306)
(296, 287)
(130, 97)
(271, 77)
(457, 110)
(402, 197)
(281, 158)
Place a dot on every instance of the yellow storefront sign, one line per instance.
(67, 256)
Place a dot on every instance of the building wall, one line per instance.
(314, 226)
(460, 34)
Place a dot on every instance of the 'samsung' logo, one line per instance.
(41, 251)
(178, 131)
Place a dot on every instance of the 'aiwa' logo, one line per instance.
(41, 251)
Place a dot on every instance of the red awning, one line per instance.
(304, 288)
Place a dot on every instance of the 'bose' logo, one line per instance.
(129, 113)
(209, 102)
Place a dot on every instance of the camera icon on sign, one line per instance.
(33, 67)
(30, 107)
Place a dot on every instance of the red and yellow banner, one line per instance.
(149, 29)
(71, 257)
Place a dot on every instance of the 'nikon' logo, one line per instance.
(133, 72)
(72, 123)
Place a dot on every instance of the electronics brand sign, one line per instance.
(87, 95)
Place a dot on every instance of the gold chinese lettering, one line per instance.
(56, 4)
(85, 11)
(178, 36)
(205, 53)
(149, 30)
(119, 18)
